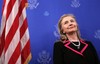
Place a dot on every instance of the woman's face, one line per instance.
(69, 25)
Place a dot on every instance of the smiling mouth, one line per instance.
(71, 27)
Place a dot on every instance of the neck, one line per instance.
(72, 36)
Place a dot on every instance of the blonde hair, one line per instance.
(63, 35)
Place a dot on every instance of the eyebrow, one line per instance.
(64, 22)
(72, 20)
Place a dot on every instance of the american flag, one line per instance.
(15, 41)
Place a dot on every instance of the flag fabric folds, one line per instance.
(15, 41)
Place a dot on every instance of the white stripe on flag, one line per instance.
(12, 17)
(22, 17)
(25, 39)
(12, 46)
(4, 16)
(18, 60)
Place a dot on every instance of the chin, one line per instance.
(71, 31)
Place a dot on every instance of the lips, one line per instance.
(71, 27)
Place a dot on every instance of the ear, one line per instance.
(63, 32)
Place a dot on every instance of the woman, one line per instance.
(71, 48)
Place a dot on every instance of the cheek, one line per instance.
(76, 27)
(64, 28)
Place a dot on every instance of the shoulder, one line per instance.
(89, 43)
(58, 43)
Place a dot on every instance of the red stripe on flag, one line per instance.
(22, 5)
(15, 25)
(9, 7)
(15, 55)
(23, 28)
(12, 32)
(2, 36)
(2, 42)
(3, 5)
(25, 52)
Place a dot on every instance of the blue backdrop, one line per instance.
(43, 16)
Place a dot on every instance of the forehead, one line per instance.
(67, 18)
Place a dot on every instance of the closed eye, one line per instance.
(72, 20)
(66, 22)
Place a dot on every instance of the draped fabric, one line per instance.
(15, 40)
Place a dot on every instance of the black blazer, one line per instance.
(66, 53)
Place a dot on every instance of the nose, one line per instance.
(70, 24)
